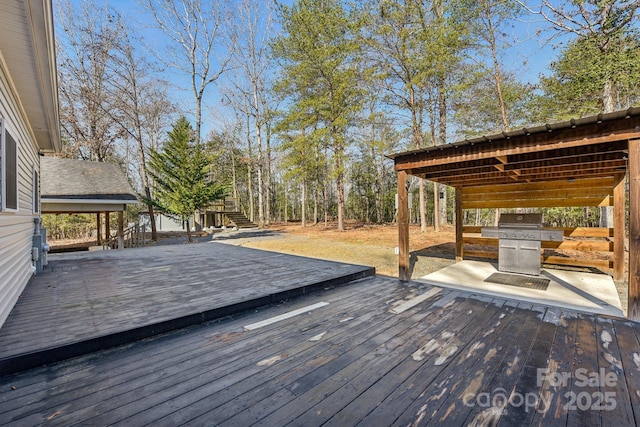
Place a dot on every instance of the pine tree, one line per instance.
(180, 175)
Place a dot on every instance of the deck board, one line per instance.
(369, 367)
(120, 291)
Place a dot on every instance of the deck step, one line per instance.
(240, 220)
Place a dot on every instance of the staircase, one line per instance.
(240, 220)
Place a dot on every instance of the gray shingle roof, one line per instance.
(81, 179)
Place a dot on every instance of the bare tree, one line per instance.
(88, 39)
(194, 28)
(249, 44)
(143, 105)
(400, 56)
(601, 21)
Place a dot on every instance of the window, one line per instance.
(9, 169)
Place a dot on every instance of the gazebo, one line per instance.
(577, 163)
(73, 186)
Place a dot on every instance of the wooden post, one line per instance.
(120, 230)
(618, 229)
(459, 247)
(633, 311)
(107, 227)
(404, 272)
(98, 229)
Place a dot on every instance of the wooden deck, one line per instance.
(379, 353)
(85, 302)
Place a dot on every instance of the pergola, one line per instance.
(577, 163)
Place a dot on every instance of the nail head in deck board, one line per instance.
(284, 316)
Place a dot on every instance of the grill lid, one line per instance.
(514, 220)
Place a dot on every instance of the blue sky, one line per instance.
(528, 57)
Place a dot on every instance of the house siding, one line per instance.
(16, 228)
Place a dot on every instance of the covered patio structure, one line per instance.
(576, 163)
(71, 186)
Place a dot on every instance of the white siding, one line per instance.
(16, 228)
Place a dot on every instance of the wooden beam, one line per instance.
(539, 203)
(404, 271)
(633, 311)
(459, 245)
(619, 209)
(541, 186)
(569, 232)
(550, 193)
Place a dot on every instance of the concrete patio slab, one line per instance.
(576, 290)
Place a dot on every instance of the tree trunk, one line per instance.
(442, 139)
(316, 196)
(189, 239)
(267, 206)
(304, 204)
(436, 209)
(286, 203)
(423, 207)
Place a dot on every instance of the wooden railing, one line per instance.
(578, 242)
(133, 237)
(224, 205)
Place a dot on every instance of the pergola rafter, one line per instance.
(581, 162)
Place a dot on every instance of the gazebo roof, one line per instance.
(590, 147)
(70, 185)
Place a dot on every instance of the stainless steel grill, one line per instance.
(520, 241)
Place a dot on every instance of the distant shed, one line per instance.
(580, 162)
(79, 186)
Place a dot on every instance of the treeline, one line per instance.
(297, 104)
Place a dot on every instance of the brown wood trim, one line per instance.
(619, 229)
(569, 232)
(634, 230)
(540, 203)
(481, 254)
(459, 228)
(534, 186)
(575, 245)
(547, 193)
(579, 262)
(404, 272)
